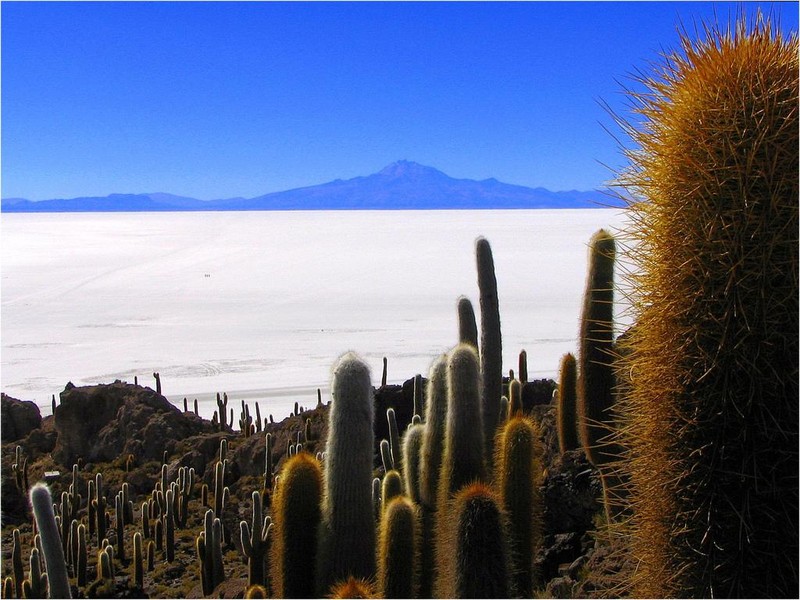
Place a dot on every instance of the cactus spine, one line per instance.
(347, 547)
(297, 511)
(566, 404)
(398, 550)
(519, 466)
(711, 414)
(491, 345)
(42, 504)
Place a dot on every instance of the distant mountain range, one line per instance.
(403, 185)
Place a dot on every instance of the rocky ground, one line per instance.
(126, 432)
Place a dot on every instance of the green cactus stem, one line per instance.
(297, 512)
(42, 505)
(255, 543)
(347, 544)
(398, 560)
(491, 358)
(467, 326)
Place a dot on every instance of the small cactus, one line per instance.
(467, 327)
(566, 405)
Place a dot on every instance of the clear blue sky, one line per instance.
(214, 100)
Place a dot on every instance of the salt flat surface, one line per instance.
(260, 304)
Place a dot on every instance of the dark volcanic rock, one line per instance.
(100, 423)
(18, 418)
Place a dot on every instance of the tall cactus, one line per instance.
(42, 504)
(255, 543)
(711, 414)
(297, 513)
(412, 443)
(35, 586)
(491, 345)
(476, 553)
(394, 440)
(595, 370)
(463, 459)
(433, 436)
(347, 544)
(398, 552)
(566, 416)
(519, 468)
(16, 563)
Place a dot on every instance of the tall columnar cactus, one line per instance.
(476, 552)
(491, 345)
(56, 566)
(566, 404)
(386, 456)
(595, 369)
(119, 526)
(255, 543)
(523, 367)
(711, 414)
(169, 526)
(16, 563)
(463, 459)
(99, 505)
(347, 544)
(514, 398)
(433, 436)
(222, 411)
(82, 561)
(519, 468)
(269, 463)
(398, 550)
(394, 440)
(412, 443)
(297, 514)
(419, 396)
(209, 551)
(35, 586)
(467, 327)
(138, 561)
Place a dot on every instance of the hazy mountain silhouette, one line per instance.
(400, 185)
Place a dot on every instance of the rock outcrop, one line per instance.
(100, 423)
(19, 418)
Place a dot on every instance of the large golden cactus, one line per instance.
(712, 411)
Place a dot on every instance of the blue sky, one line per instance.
(222, 99)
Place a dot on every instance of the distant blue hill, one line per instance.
(403, 185)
